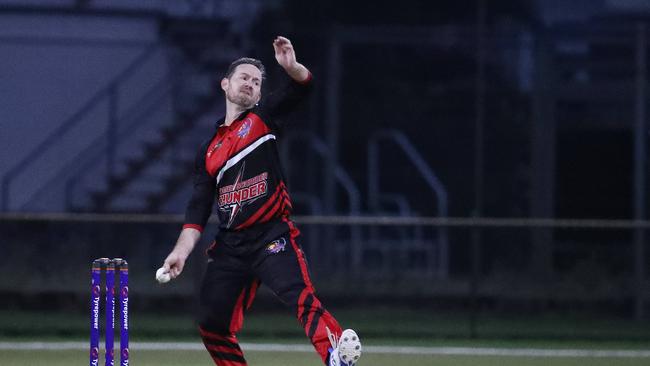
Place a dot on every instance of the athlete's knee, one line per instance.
(290, 293)
(214, 324)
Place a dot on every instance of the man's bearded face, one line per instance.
(244, 86)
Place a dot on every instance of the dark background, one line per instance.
(518, 109)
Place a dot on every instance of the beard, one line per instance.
(241, 99)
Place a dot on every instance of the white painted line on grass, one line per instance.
(271, 347)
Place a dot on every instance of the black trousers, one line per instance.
(231, 281)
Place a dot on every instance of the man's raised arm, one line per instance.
(286, 57)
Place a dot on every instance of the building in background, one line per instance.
(456, 108)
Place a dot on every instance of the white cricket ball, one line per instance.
(162, 276)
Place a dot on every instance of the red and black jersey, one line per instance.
(239, 169)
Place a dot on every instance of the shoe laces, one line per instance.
(332, 337)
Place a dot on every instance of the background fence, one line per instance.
(463, 168)
(365, 265)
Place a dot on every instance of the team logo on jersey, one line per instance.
(214, 148)
(241, 193)
(276, 246)
(245, 128)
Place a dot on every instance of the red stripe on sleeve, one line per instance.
(193, 226)
(307, 80)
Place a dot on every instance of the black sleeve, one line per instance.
(200, 205)
(284, 100)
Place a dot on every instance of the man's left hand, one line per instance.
(286, 57)
(284, 53)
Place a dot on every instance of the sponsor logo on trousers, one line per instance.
(276, 246)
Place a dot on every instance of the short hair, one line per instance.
(245, 60)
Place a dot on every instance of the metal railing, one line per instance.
(73, 173)
(430, 178)
(518, 284)
(319, 146)
(340, 175)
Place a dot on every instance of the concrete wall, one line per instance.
(50, 66)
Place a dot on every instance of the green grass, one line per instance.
(378, 326)
(201, 358)
(379, 323)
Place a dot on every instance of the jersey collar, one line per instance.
(241, 116)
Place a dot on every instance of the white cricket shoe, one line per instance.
(345, 351)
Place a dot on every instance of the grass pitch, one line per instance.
(255, 358)
(394, 327)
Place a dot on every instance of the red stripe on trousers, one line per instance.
(237, 319)
(312, 313)
(208, 337)
(293, 233)
(206, 334)
(301, 300)
(320, 341)
(224, 349)
(252, 292)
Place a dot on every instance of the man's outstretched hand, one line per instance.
(286, 57)
(284, 52)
